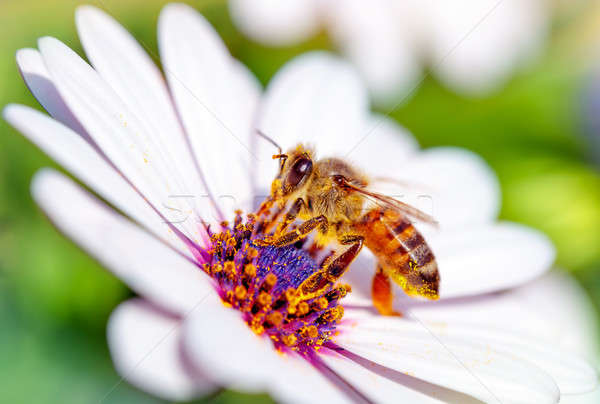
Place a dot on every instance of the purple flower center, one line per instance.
(262, 283)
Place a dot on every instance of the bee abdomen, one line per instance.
(412, 243)
(402, 252)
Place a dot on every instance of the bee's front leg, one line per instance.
(291, 215)
(319, 222)
(381, 290)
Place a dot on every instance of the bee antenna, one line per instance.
(268, 139)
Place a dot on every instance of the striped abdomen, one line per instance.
(401, 250)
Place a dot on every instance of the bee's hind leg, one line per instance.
(382, 294)
(332, 268)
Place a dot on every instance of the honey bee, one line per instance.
(331, 196)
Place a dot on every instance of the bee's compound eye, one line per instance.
(300, 170)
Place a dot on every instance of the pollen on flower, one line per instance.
(240, 292)
(263, 282)
(250, 270)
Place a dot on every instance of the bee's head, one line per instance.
(296, 168)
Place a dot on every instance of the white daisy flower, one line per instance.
(215, 309)
(473, 46)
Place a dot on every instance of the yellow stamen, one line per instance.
(289, 340)
(271, 280)
(303, 308)
(312, 331)
(240, 292)
(230, 268)
(250, 270)
(252, 253)
(264, 299)
(275, 318)
(323, 303)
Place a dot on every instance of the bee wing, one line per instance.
(388, 202)
(400, 183)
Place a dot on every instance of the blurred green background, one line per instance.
(54, 300)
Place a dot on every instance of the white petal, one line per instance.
(38, 80)
(119, 133)
(453, 185)
(552, 308)
(490, 258)
(144, 263)
(574, 319)
(588, 398)
(478, 43)
(215, 101)
(572, 374)
(219, 340)
(383, 44)
(130, 72)
(384, 146)
(466, 366)
(276, 22)
(385, 385)
(145, 346)
(80, 158)
(315, 99)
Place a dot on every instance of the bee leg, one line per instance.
(266, 226)
(383, 297)
(295, 235)
(332, 268)
(291, 215)
(267, 217)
